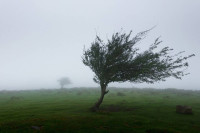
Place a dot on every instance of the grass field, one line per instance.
(122, 111)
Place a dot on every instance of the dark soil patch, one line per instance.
(166, 97)
(13, 98)
(117, 108)
(79, 93)
(120, 94)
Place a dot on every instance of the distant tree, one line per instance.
(64, 81)
(119, 61)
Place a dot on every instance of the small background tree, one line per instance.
(119, 61)
(64, 81)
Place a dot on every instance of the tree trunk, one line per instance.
(98, 103)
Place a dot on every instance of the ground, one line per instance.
(123, 111)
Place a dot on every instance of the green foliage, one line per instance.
(119, 60)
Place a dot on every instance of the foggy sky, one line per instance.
(43, 40)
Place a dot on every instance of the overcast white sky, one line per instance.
(43, 40)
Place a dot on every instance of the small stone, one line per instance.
(183, 109)
(37, 127)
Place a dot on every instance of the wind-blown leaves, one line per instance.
(119, 60)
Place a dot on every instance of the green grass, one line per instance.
(67, 111)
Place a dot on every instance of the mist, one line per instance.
(42, 41)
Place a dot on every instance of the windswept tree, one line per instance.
(64, 81)
(119, 60)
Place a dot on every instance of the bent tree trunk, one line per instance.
(98, 103)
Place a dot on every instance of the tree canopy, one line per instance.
(64, 81)
(119, 60)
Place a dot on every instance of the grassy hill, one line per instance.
(123, 111)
